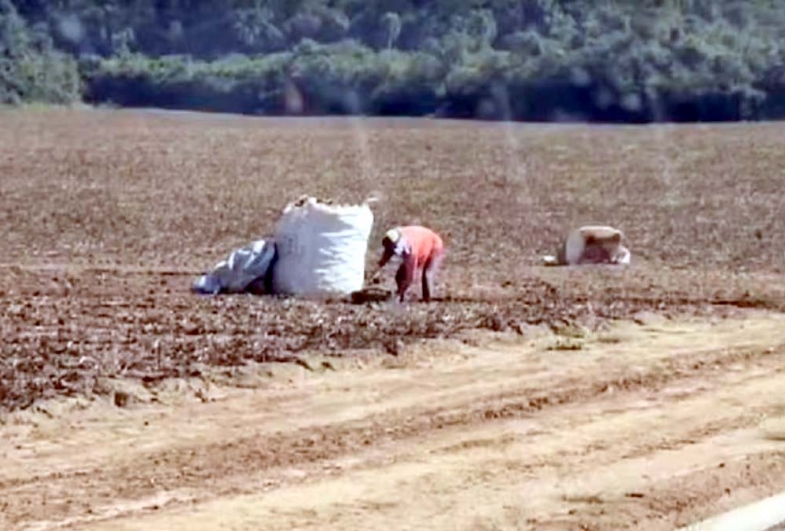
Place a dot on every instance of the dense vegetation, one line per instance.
(603, 60)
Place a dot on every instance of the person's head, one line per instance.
(392, 241)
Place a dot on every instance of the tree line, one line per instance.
(589, 60)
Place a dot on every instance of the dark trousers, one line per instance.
(406, 273)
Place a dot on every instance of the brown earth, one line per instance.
(646, 426)
(108, 216)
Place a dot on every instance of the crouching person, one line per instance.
(421, 251)
(592, 245)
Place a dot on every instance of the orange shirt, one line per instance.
(425, 243)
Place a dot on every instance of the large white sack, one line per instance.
(321, 248)
(242, 267)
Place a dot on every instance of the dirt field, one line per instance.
(525, 398)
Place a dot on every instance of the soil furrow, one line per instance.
(223, 463)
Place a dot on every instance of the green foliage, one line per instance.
(524, 59)
(30, 70)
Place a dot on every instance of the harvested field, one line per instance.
(109, 215)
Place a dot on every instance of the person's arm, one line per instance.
(386, 256)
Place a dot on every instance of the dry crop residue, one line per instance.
(109, 215)
(107, 221)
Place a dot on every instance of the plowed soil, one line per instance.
(523, 398)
